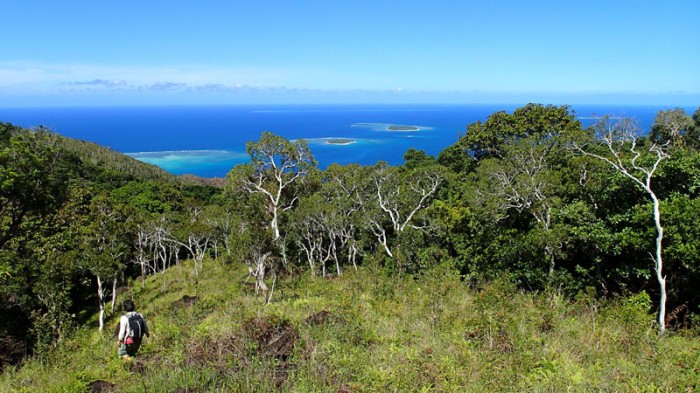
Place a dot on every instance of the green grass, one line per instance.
(365, 332)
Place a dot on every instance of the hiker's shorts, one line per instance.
(129, 349)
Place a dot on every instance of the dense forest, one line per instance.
(529, 198)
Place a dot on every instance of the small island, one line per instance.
(395, 127)
(339, 141)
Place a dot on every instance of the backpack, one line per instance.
(136, 326)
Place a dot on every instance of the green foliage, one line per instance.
(415, 158)
(63, 225)
(280, 172)
(695, 130)
(150, 197)
(35, 281)
(107, 168)
(372, 332)
(528, 203)
(455, 274)
(483, 140)
(32, 182)
(673, 127)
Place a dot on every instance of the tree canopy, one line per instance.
(528, 195)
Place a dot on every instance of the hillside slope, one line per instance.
(366, 332)
(105, 162)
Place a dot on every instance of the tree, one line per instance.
(254, 246)
(695, 130)
(483, 140)
(32, 184)
(398, 197)
(416, 158)
(199, 232)
(223, 222)
(35, 283)
(105, 246)
(155, 245)
(162, 244)
(672, 127)
(312, 224)
(326, 225)
(277, 168)
(142, 242)
(149, 196)
(623, 150)
(346, 188)
(524, 180)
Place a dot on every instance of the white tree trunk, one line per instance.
(273, 223)
(615, 136)
(659, 264)
(380, 233)
(101, 300)
(114, 294)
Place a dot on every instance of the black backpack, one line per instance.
(137, 326)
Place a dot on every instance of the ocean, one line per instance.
(209, 140)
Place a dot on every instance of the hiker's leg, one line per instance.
(131, 349)
(123, 350)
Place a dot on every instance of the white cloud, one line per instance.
(99, 82)
(32, 83)
(164, 86)
(33, 73)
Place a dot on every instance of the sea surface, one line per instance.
(209, 140)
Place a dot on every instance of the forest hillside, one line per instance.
(528, 238)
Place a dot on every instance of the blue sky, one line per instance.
(232, 52)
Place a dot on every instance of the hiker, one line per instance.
(132, 328)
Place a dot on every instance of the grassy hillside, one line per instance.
(365, 332)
